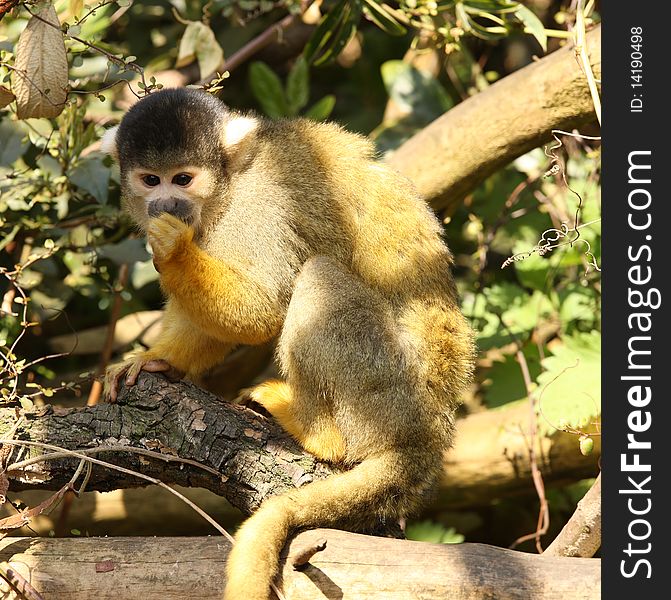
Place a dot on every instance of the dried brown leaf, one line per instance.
(199, 43)
(5, 96)
(41, 76)
(24, 516)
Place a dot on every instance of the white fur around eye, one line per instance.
(108, 142)
(237, 129)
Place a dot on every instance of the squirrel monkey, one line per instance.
(290, 228)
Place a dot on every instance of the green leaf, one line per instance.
(415, 92)
(505, 312)
(321, 110)
(92, 176)
(578, 305)
(522, 317)
(128, 251)
(13, 144)
(534, 24)
(498, 6)
(570, 386)
(144, 272)
(430, 531)
(383, 18)
(503, 296)
(298, 86)
(504, 382)
(267, 89)
(324, 31)
(335, 29)
(532, 271)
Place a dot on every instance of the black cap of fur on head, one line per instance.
(172, 127)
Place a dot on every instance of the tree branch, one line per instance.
(255, 457)
(581, 536)
(452, 155)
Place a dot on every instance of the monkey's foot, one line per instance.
(246, 398)
(324, 440)
(130, 369)
(167, 235)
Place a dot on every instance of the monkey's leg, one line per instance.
(316, 430)
(345, 366)
(180, 350)
(218, 297)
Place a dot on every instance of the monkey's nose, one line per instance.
(178, 207)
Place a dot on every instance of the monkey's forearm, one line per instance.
(220, 299)
(186, 347)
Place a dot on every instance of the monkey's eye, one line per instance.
(182, 179)
(151, 180)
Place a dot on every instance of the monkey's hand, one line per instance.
(130, 370)
(168, 236)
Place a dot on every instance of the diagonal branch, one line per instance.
(252, 454)
(452, 155)
(581, 536)
(246, 457)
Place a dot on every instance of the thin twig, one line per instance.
(23, 588)
(96, 388)
(20, 465)
(264, 39)
(148, 478)
(124, 470)
(543, 513)
(581, 51)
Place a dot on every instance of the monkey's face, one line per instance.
(180, 191)
(177, 150)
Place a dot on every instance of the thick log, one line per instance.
(352, 566)
(451, 156)
(490, 458)
(255, 457)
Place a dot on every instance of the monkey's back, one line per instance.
(371, 218)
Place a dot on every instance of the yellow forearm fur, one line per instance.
(217, 297)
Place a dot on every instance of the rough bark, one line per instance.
(254, 455)
(351, 566)
(451, 156)
(256, 458)
(581, 536)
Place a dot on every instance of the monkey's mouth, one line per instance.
(177, 207)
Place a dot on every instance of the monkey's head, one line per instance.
(176, 149)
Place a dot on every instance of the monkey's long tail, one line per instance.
(388, 485)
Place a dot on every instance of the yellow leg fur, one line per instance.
(322, 438)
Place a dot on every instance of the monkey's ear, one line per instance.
(237, 131)
(108, 143)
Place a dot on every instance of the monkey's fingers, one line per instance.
(163, 366)
(165, 234)
(153, 366)
(112, 381)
